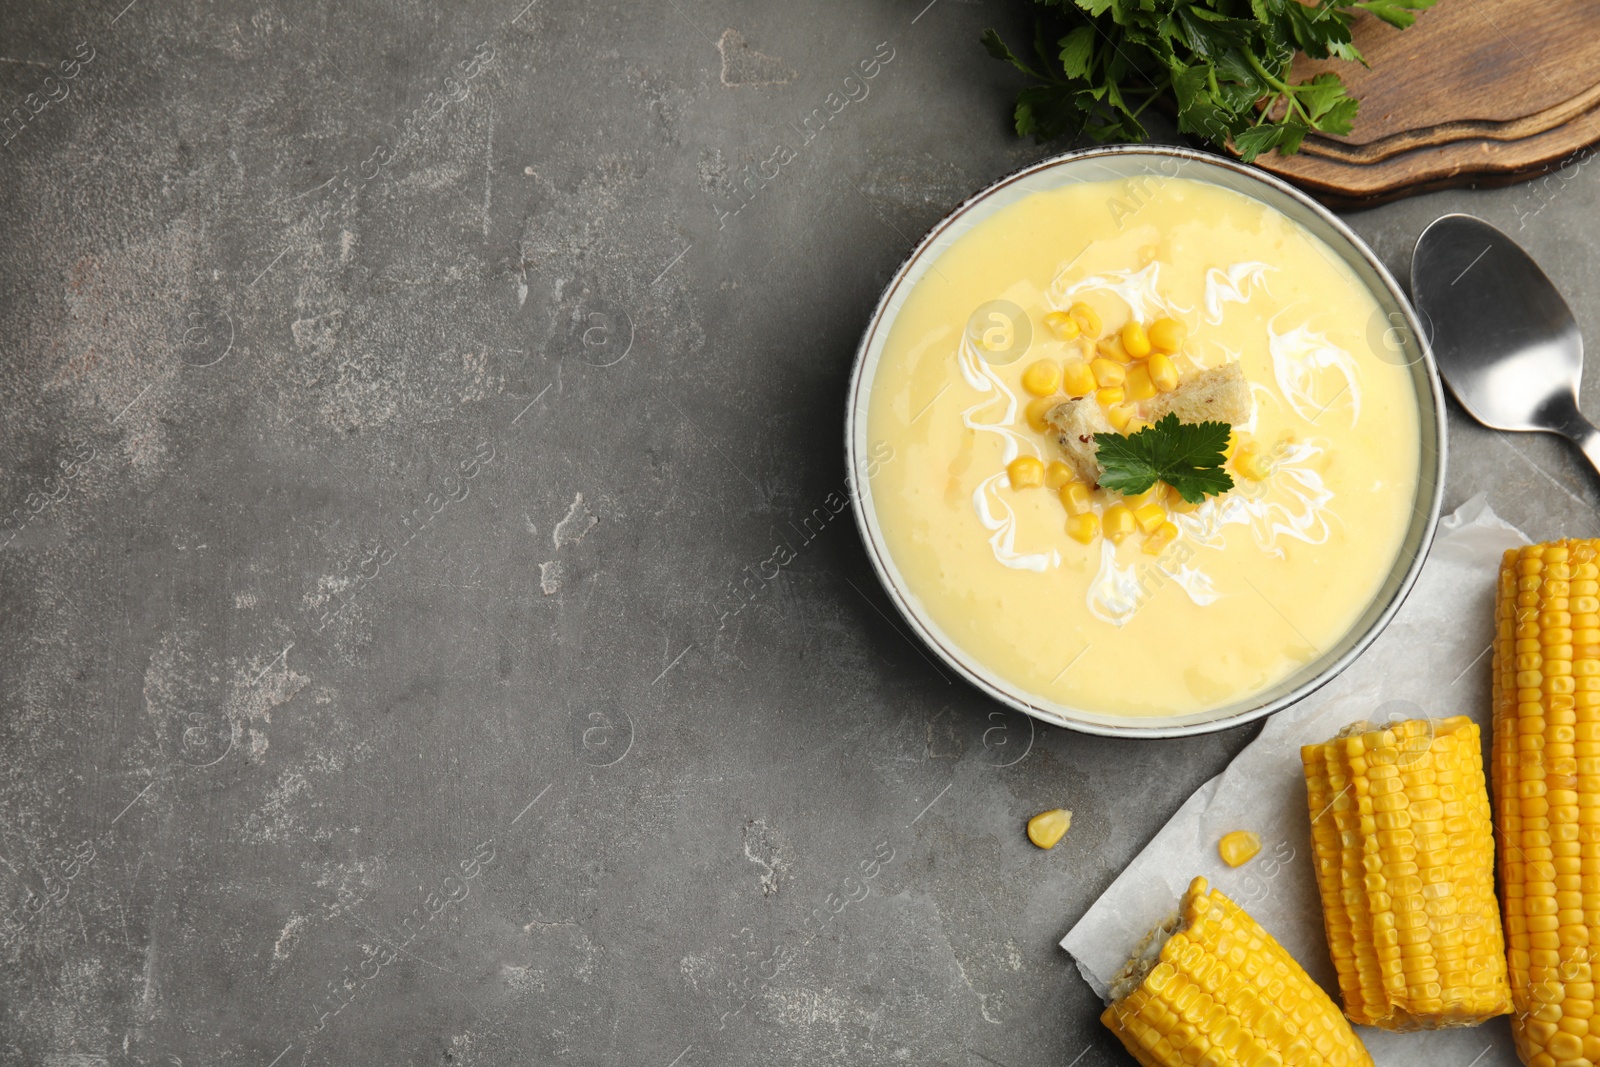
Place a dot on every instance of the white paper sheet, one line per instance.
(1431, 661)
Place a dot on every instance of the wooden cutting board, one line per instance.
(1485, 92)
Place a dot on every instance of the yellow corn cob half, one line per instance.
(1547, 794)
(1223, 993)
(1404, 850)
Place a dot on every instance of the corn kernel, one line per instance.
(1063, 325)
(1134, 340)
(1180, 506)
(1239, 847)
(1110, 395)
(1156, 494)
(1156, 541)
(1076, 498)
(1120, 416)
(1025, 472)
(1084, 315)
(1108, 372)
(1047, 827)
(1150, 517)
(1077, 379)
(1138, 383)
(1084, 528)
(1118, 523)
(1057, 474)
(1163, 373)
(1249, 462)
(1042, 378)
(1111, 348)
(1036, 411)
(1168, 335)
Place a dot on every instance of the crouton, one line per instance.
(1220, 394)
(1076, 422)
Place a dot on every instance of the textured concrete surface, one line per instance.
(392, 397)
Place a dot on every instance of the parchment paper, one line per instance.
(1432, 661)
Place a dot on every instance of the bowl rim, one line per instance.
(855, 412)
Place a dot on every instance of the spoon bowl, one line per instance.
(1505, 341)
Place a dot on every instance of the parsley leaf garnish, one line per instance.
(1186, 455)
(1224, 64)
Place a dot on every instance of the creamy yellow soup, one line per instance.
(1259, 581)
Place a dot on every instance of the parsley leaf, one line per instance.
(1222, 64)
(1186, 455)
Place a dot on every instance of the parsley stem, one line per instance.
(1155, 94)
(1255, 64)
(1285, 90)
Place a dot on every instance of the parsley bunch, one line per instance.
(1225, 64)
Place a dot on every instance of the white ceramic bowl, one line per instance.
(1401, 336)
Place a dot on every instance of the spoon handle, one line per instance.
(1586, 437)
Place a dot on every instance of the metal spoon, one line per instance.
(1506, 343)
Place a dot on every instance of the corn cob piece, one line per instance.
(1219, 991)
(1547, 794)
(1404, 851)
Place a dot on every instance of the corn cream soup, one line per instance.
(1147, 606)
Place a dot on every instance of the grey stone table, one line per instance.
(398, 404)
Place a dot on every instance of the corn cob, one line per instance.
(1405, 863)
(1219, 992)
(1547, 793)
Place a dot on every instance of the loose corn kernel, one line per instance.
(1181, 506)
(1025, 472)
(1057, 474)
(1134, 340)
(1118, 523)
(1138, 382)
(1156, 541)
(1047, 827)
(1410, 913)
(1156, 494)
(1084, 315)
(1223, 993)
(1134, 426)
(1036, 411)
(1084, 528)
(1150, 517)
(1240, 846)
(1163, 373)
(1250, 463)
(1077, 379)
(1120, 416)
(1168, 335)
(1111, 348)
(1063, 325)
(1108, 372)
(1042, 378)
(1110, 395)
(1076, 498)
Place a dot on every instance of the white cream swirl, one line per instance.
(1003, 529)
(986, 502)
(981, 376)
(1306, 364)
(1233, 286)
(1137, 289)
(1292, 503)
(1117, 592)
